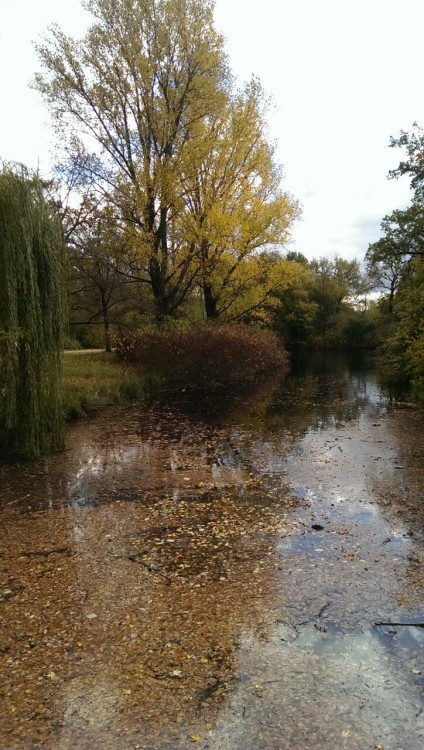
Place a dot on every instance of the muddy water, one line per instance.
(168, 583)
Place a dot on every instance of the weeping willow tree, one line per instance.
(32, 299)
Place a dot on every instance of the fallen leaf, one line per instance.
(127, 691)
(416, 671)
(346, 733)
(195, 737)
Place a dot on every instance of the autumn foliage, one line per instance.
(205, 358)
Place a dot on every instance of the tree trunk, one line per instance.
(106, 323)
(391, 298)
(210, 302)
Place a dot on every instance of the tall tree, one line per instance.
(399, 255)
(133, 89)
(413, 143)
(32, 301)
(385, 267)
(234, 202)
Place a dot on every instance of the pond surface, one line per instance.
(167, 582)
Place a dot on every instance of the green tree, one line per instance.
(295, 313)
(404, 347)
(400, 254)
(413, 166)
(338, 285)
(385, 267)
(32, 301)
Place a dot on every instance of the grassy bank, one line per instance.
(93, 379)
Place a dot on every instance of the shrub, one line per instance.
(71, 344)
(204, 359)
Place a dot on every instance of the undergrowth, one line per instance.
(204, 360)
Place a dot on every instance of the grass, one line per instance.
(90, 377)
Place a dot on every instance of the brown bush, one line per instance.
(206, 358)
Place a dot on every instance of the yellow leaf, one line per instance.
(209, 726)
(416, 671)
(346, 733)
(195, 737)
(204, 660)
(127, 691)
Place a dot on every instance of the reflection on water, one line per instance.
(168, 581)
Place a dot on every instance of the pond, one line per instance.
(171, 582)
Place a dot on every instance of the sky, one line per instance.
(343, 77)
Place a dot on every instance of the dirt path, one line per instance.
(167, 584)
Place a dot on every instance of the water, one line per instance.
(169, 582)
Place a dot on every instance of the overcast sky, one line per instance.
(344, 77)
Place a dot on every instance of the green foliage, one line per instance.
(400, 254)
(413, 165)
(359, 330)
(32, 294)
(403, 350)
(204, 359)
(416, 362)
(294, 315)
(323, 306)
(336, 290)
(71, 344)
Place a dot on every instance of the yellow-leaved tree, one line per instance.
(146, 107)
(234, 202)
(125, 99)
